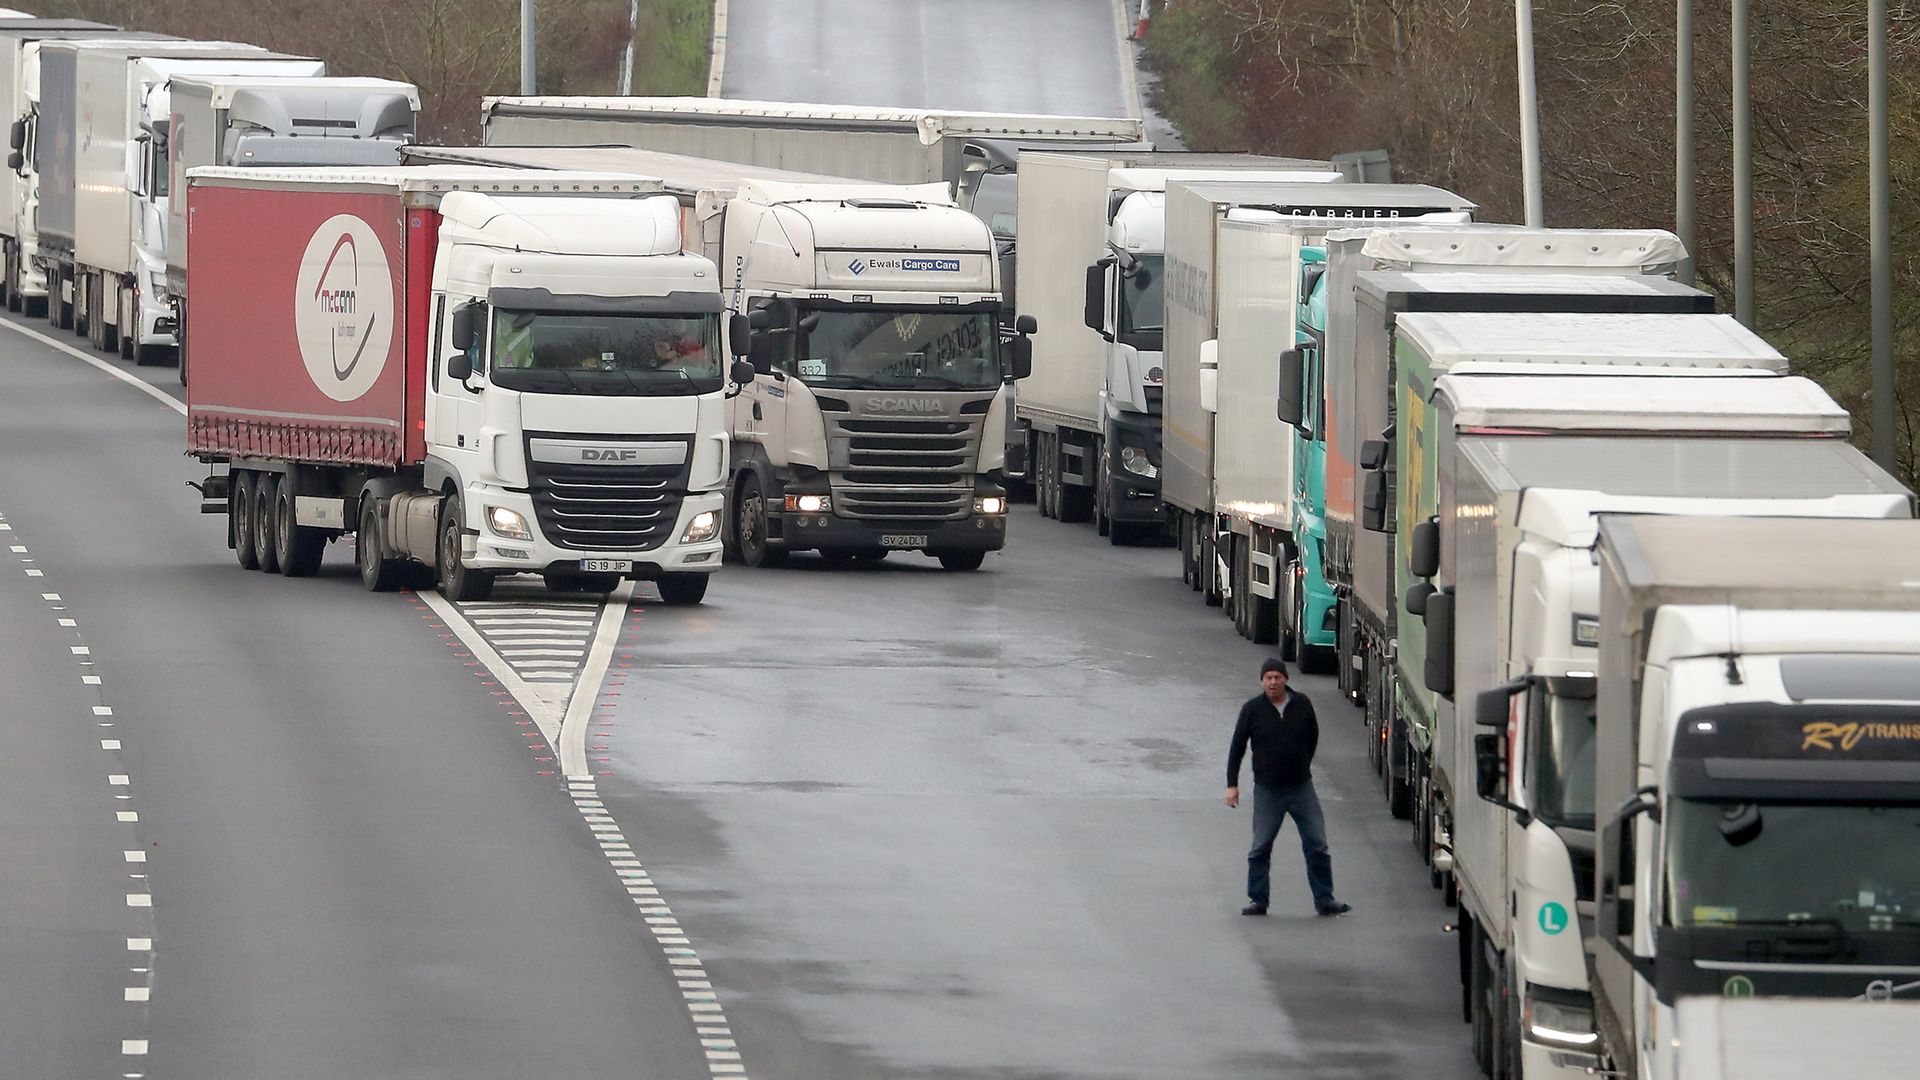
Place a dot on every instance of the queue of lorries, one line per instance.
(1636, 631)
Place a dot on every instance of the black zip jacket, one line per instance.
(1283, 740)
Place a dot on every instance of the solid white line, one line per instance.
(483, 651)
(547, 665)
(139, 384)
(1129, 82)
(717, 50)
(540, 652)
(573, 727)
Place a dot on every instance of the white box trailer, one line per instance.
(97, 154)
(1226, 454)
(1757, 763)
(25, 286)
(1526, 463)
(882, 144)
(1090, 257)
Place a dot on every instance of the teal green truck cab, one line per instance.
(1312, 619)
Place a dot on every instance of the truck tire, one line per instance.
(683, 590)
(301, 547)
(1102, 509)
(1481, 993)
(1399, 787)
(266, 489)
(751, 526)
(961, 561)
(59, 309)
(1043, 473)
(1209, 572)
(240, 515)
(181, 332)
(12, 274)
(377, 572)
(458, 583)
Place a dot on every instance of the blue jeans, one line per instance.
(1271, 805)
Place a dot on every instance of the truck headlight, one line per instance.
(1560, 1018)
(1134, 460)
(809, 504)
(508, 523)
(990, 504)
(704, 526)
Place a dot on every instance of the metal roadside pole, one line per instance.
(526, 47)
(1529, 115)
(1880, 227)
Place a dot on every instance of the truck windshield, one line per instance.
(1778, 864)
(1562, 739)
(891, 348)
(1143, 297)
(609, 355)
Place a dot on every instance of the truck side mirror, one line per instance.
(1490, 766)
(460, 367)
(1210, 376)
(742, 372)
(1096, 300)
(1614, 897)
(1491, 707)
(1026, 324)
(1310, 278)
(15, 161)
(1373, 454)
(1423, 552)
(760, 319)
(466, 327)
(17, 135)
(1418, 595)
(1292, 373)
(1439, 671)
(739, 336)
(1020, 356)
(1373, 505)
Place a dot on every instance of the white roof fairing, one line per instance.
(1450, 339)
(1542, 249)
(931, 124)
(1642, 400)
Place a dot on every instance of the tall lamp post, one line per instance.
(526, 47)
(1880, 227)
(1529, 115)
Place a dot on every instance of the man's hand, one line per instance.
(1233, 796)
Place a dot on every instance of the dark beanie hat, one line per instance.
(1274, 664)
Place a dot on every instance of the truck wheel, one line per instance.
(755, 548)
(59, 307)
(1102, 509)
(266, 488)
(1399, 789)
(960, 560)
(110, 335)
(1207, 566)
(1042, 466)
(12, 277)
(458, 583)
(377, 572)
(301, 547)
(240, 514)
(1481, 993)
(682, 590)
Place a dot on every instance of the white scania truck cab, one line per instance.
(876, 420)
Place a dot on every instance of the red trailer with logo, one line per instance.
(312, 312)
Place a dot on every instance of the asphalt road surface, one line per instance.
(1024, 56)
(832, 824)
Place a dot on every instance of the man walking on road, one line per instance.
(1284, 732)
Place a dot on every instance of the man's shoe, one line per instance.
(1254, 909)
(1334, 910)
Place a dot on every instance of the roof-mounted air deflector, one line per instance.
(882, 204)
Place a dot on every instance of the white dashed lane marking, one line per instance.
(141, 899)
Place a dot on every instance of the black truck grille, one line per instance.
(906, 468)
(607, 507)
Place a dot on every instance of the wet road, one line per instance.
(895, 822)
(1024, 56)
